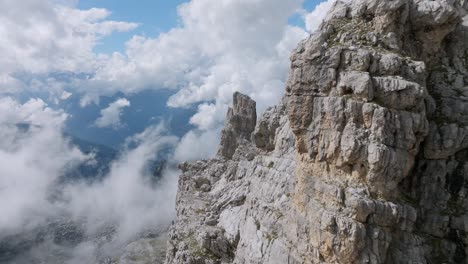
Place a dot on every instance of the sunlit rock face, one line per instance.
(365, 160)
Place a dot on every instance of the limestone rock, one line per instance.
(364, 161)
(240, 123)
(264, 134)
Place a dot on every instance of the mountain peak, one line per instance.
(240, 123)
(364, 161)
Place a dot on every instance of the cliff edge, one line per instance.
(365, 160)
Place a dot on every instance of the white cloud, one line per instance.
(40, 36)
(110, 116)
(65, 95)
(9, 84)
(34, 157)
(31, 159)
(34, 111)
(316, 17)
(236, 46)
(209, 116)
(220, 47)
(196, 145)
(126, 195)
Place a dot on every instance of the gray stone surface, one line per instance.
(240, 123)
(364, 161)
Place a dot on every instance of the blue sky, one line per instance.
(153, 17)
(148, 108)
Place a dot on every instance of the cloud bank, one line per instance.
(127, 198)
(35, 155)
(31, 159)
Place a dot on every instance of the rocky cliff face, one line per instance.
(364, 161)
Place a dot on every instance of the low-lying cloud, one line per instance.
(34, 155)
(31, 160)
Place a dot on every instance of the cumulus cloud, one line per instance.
(316, 17)
(239, 45)
(47, 36)
(236, 46)
(110, 116)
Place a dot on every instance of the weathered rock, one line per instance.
(240, 123)
(364, 161)
(264, 134)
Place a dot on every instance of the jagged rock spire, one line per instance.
(240, 123)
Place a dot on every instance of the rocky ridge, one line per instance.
(365, 160)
